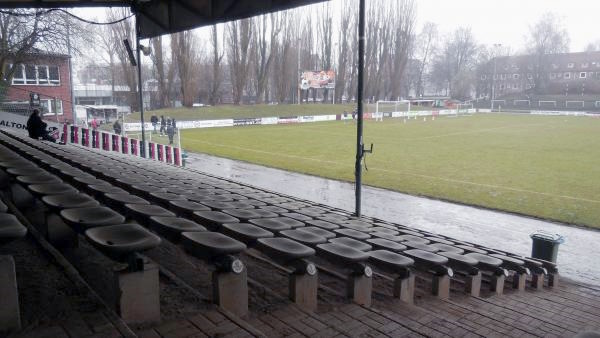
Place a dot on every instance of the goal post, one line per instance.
(464, 108)
(392, 109)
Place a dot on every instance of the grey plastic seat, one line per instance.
(469, 248)
(303, 237)
(218, 205)
(38, 179)
(87, 180)
(171, 227)
(318, 231)
(358, 223)
(163, 198)
(10, 228)
(245, 232)
(297, 216)
(393, 238)
(99, 190)
(352, 233)
(331, 217)
(447, 248)
(254, 202)
(390, 261)
(435, 239)
(292, 205)
(384, 230)
(118, 201)
(404, 231)
(310, 211)
(485, 260)
(385, 244)
(214, 219)
(51, 189)
(456, 260)
(69, 200)
(277, 224)
(186, 207)
(3, 207)
(512, 263)
(420, 246)
(426, 257)
(145, 211)
(25, 170)
(211, 245)
(347, 241)
(82, 219)
(122, 240)
(248, 214)
(275, 209)
(322, 224)
(414, 239)
(284, 249)
(341, 254)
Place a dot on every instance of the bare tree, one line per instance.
(403, 15)
(239, 34)
(217, 57)
(546, 37)
(324, 37)
(285, 60)
(426, 41)
(119, 32)
(164, 71)
(348, 19)
(183, 45)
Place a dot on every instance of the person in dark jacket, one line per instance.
(154, 121)
(163, 125)
(37, 128)
(170, 131)
(117, 127)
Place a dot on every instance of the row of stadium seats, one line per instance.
(182, 205)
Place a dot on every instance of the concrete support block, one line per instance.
(10, 318)
(359, 289)
(473, 284)
(303, 290)
(59, 233)
(537, 281)
(497, 284)
(441, 286)
(230, 291)
(137, 298)
(404, 289)
(519, 281)
(553, 280)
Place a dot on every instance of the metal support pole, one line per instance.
(140, 85)
(359, 95)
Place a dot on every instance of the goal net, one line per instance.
(464, 109)
(392, 109)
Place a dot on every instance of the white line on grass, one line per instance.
(397, 172)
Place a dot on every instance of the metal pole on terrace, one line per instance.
(359, 124)
(140, 85)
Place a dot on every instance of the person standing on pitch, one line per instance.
(163, 125)
(117, 127)
(154, 121)
(170, 131)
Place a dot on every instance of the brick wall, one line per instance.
(61, 92)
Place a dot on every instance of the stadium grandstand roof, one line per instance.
(158, 17)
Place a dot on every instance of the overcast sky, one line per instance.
(492, 21)
(507, 21)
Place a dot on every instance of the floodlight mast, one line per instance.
(140, 85)
(359, 95)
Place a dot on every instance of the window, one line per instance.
(483, 77)
(502, 76)
(54, 76)
(505, 67)
(570, 65)
(36, 75)
(19, 75)
(495, 76)
(515, 86)
(552, 75)
(598, 75)
(559, 75)
(42, 74)
(567, 75)
(50, 106)
(529, 76)
(501, 87)
(516, 76)
(584, 65)
(582, 75)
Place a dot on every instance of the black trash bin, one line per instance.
(545, 245)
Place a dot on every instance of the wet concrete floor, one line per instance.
(578, 258)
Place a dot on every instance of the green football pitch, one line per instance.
(543, 166)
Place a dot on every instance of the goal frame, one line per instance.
(379, 114)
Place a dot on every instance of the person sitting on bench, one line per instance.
(37, 128)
